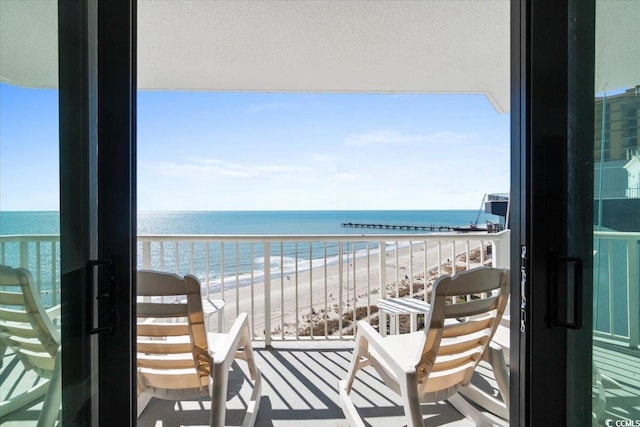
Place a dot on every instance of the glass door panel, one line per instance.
(30, 389)
(616, 250)
(64, 128)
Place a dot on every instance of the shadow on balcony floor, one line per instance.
(300, 389)
(620, 368)
(300, 381)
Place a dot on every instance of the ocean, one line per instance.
(253, 222)
(250, 256)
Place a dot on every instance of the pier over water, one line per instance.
(400, 227)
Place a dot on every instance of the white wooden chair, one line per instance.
(177, 358)
(28, 330)
(434, 364)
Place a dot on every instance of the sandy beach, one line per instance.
(324, 293)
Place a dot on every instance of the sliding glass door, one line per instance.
(616, 187)
(576, 110)
(67, 205)
(29, 207)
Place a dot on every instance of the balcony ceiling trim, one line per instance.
(303, 46)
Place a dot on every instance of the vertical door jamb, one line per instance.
(78, 201)
(552, 133)
(117, 201)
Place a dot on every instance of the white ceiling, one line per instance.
(454, 46)
(327, 46)
(309, 46)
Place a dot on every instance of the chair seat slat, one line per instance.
(19, 329)
(174, 379)
(11, 298)
(472, 308)
(163, 347)
(161, 310)
(466, 328)
(13, 315)
(177, 361)
(41, 362)
(162, 329)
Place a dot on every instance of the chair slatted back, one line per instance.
(466, 310)
(172, 345)
(25, 325)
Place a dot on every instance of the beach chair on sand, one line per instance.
(177, 358)
(27, 329)
(434, 364)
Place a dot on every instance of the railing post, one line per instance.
(382, 284)
(267, 294)
(340, 282)
(500, 250)
(146, 255)
(24, 255)
(633, 280)
(54, 274)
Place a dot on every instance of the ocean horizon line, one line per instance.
(254, 210)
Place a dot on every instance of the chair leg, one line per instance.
(359, 352)
(254, 404)
(249, 358)
(256, 376)
(344, 386)
(23, 400)
(470, 412)
(411, 401)
(53, 398)
(3, 350)
(219, 395)
(500, 372)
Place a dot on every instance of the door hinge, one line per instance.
(523, 288)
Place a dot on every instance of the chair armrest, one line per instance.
(226, 350)
(54, 312)
(377, 341)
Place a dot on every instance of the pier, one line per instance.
(399, 227)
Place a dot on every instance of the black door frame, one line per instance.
(552, 119)
(117, 86)
(97, 63)
(553, 58)
(78, 202)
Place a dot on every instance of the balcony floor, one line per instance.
(300, 389)
(300, 380)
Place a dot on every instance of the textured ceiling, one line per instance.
(29, 43)
(309, 46)
(327, 46)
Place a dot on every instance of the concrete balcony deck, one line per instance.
(300, 389)
(300, 380)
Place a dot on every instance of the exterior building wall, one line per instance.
(621, 126)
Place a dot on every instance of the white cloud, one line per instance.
(382, 137)
(200, 168)
(451, 136)
(345, 177)
(324, 158)
(395, 137)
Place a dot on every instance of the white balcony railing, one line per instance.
(326, 281)
(617, 287)
(41, 255)
(318, 284)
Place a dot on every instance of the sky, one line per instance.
(274, 151)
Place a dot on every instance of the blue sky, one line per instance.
(238, 151)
